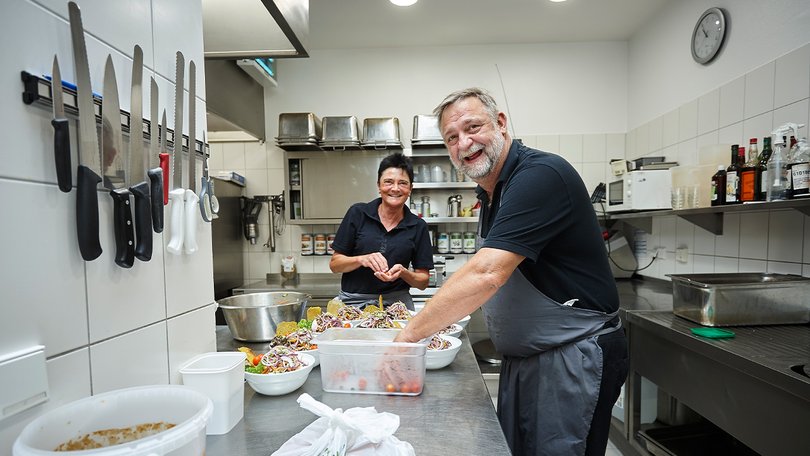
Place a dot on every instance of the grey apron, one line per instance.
(361, 299)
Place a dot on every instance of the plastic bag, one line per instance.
(359, 431)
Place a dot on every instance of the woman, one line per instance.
(378, 240)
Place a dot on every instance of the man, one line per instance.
(542, 278)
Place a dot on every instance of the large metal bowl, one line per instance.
(253, 317)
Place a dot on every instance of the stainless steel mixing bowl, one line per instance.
(253, 317)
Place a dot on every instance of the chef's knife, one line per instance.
(89, 171)
(155, 172)
(177, 193)
(137, 167)
(61, 131)
(191, 199)
(164, 157)
(115, 160)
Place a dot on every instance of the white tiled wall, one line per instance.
(103, 327)
(751, 105)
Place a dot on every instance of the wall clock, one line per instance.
(708, 36)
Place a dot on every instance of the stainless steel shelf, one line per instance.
(437, 220)
(440, 185)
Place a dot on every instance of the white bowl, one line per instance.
(436, 359)
(463, 322)
(312, 353)
(456, 332)
(278, 384)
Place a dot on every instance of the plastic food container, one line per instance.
(367, 361)
(189, 410)
(221, 377)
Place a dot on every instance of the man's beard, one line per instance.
(481, 168)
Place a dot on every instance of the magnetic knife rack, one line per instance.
(37, 90)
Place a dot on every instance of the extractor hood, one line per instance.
(243, 29)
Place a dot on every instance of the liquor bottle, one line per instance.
(748, 174)
(762, 169)
(777, 181)
(719, 186)
(799, 170)
(733, 178)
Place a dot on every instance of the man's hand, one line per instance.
(374, 261)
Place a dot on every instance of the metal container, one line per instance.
(337, 129)
(426, 128)
(295, 126)
(381, 131)
(741, 299)
(253, 317)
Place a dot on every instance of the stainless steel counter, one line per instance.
(454, 413)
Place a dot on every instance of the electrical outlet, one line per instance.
(682, 255)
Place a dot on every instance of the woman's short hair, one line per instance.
(396, 160)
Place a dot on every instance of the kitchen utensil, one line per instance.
(381, 132)
(221, 377)
(191, 199)
(209, 205)
(155, 172)
(712, 333)
(116, 176)
(253, 317)
(88, 174)
(426, 129)
(61, 131)
(164, 156)
(298, 126)
(177, 193)
(137, 167)
(437, 174)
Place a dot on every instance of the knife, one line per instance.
(116, 159)
(61, 131)
(191, 199)
(177, 194)
(137, 168)
(155, 172)
(89, 171)
(207, 197)
(164, 157)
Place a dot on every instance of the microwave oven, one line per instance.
(640, 191)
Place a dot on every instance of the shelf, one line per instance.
(438, 220)
(448, 185)
(37, 91)
(708, 218)
(300, 147)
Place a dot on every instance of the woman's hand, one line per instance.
(392, 274)
(375, 261)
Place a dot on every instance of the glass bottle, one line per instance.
(295, 173)
(777, 183)
(733, 177)
(799, 170)
(719, 186)
(762, 169)
(748, 174)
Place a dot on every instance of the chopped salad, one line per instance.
(297, 340)
(438, 343)
(324, 321)
(398, 311)
(349, 313)
(378, 319)
(278, 360)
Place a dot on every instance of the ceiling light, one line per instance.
(403, 2)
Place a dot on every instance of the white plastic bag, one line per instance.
(359, 431)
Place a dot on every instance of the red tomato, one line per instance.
(257, 359)
(416, 387)
(347, 325)
(405, 388)
(362, 383)
(390, 388)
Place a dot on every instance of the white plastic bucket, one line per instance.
(221, 377)
(187, 409)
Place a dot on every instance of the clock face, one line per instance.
(708, 35)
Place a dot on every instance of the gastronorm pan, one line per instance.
(426, 128)
(298, 125)
(340, 129)
(741, 299)
(381, 131)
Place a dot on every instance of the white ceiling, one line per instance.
(348, 24)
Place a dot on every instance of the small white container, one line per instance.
(283, 383)
(187, 409)
(221, 377)
(437, 359)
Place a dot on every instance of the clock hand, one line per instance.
(704, 32)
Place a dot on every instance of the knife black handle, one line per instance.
(143, 221)
(87, 213)
(156, 191)
(61, 154)
(122, 224)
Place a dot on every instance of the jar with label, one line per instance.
(330, 238)
(295, 172)
(320, 244)
(456, 243)
(288, 269)
(306, 244)
(443, 245)
(469, 242)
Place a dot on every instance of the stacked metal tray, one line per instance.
(340, 133)
(298, 131)
(381, 133)
(426, 131)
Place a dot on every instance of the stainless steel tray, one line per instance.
(298, 125)
(426, 128)
(338, 129)
(381, 130)
(741, 299)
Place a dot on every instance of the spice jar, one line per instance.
(456, 243)
(443, 246)
(306, 244)
(320, 244)
(330, 238)
(468, 245)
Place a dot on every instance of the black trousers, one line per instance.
(615, 362)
